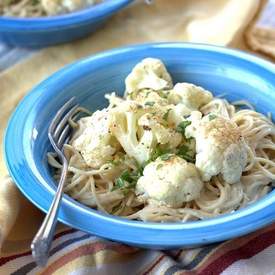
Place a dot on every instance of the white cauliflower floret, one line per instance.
(178, 113)
(149, 97)
(95, 143)
(54, 7)
(124, 126)
(140, 129)
(114, 100)
(171, 182)
(191, 96)
(163, 135)
(150, 73)
(220, 148)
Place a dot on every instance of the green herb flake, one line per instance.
(189, 139)
(159, 166)
(165, 116)
(183, 150)
(147, 94)
(182, 126)
(127, 179)
(119, 183)
(163, 94)
(211, 117)
(166, 157)
(158, 152)
(126, 176)
(189, 158)
(149, 103)
(185, 153)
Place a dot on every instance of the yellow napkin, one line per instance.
(9, 206)
(220, 22)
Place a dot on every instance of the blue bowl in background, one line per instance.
(223, 71)
(50, 30)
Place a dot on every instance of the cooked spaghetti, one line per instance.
(37, 8)
(169, 152)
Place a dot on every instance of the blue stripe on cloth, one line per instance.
(4, 49)
(30, 266)
(201, 255)
(9, 56)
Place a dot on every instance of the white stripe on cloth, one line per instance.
(262, 263)
(131, 266)
(19, 262)
(68, 248)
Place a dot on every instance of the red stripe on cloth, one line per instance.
(87, 249)
(153, 265)
(227, 246)
(178, 254)
(250, 249)
(4, 260)
(62, 233)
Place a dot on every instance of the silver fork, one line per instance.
(58, 133)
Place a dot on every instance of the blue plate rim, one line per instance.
(96, 12)
(262, 208)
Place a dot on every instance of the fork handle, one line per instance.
(41, 243)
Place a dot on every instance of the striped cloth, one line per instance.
(75, 252)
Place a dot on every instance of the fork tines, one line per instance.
(59, 130)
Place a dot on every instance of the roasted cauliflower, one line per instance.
(220, 148)
(191, 96)
(169, 180)
(95, 143)
(149, 96)
(150, 73)
(162, 134)
(124, 126)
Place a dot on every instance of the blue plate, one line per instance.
(220, 70)
(46, 31)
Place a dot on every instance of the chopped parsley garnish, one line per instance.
(163, 94)
(185, 153)
(149, 103)
(158, 152)
(166, 156)
(147, 94)
(165, 116)
(159, 166)
(211, 117)
(127, 180)
(182, 126)
(119, 183)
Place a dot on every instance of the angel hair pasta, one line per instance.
(35, 8)
(169, 152)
